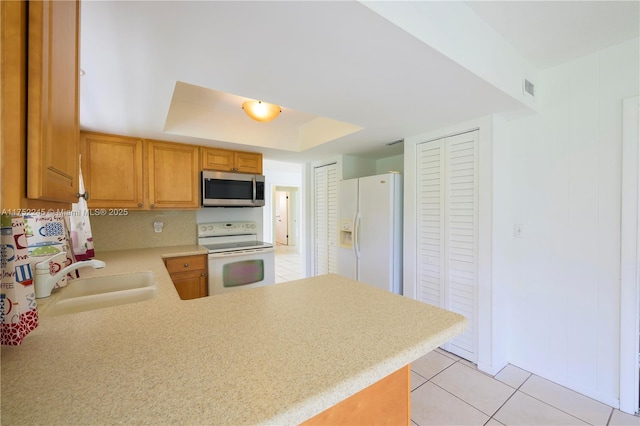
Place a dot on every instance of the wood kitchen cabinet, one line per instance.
(39, 104)
(125, 172)
(388, 402)
(52, 100)
(174, 175)
(189, 275)
(113, 170)
(231, 161)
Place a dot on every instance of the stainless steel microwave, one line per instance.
(224, 189)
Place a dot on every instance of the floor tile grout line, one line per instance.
(428, 380)
(553, 406)
(610, 416)
(516, 390)
(503, 404)
(460, 399)
(570, 390)
(456, 396)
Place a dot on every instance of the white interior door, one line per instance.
(282, 218)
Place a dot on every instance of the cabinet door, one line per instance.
(190, 285)
(112, 170)
(248, 162)
(174, 180)
(217, 159)
(52, 107)
(189, 275)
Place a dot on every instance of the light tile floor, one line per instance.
(287, 263)
(448, 390)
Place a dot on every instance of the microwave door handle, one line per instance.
(253, 180)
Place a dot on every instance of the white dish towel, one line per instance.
(79, 226)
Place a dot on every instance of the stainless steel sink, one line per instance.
(101, 292)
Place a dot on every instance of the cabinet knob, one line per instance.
(84, 195)
(153, 205)
(139, 204)
(202, 274)
(186, 265)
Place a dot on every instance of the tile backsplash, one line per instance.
(136, 230)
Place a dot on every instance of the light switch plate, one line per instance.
(518, 230)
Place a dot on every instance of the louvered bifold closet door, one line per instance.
(326, 219)
(448, 231)
(332, 219)
(430, 157)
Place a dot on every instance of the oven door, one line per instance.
(238, 270)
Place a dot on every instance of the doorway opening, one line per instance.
(285, 202)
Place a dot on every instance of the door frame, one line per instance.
(630, 257)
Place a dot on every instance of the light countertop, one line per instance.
(271, 355)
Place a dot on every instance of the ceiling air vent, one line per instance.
(528, 88)
(394, 142)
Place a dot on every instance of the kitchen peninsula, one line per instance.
(272, 355)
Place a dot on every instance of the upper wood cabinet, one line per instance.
(174, 175)
(231, 161)
(52, 100)
(113, 170)
(13, 104)
(125, 172)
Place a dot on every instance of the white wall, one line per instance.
(395, 164)
(355, 167)
(564, 319)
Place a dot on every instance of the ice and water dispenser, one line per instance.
(346, 233)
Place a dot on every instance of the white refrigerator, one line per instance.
(370, 230)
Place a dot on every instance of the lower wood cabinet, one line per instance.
(386, 402)
(189, 275)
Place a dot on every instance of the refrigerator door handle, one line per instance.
(356, 234)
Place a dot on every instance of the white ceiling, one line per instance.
(321, 61)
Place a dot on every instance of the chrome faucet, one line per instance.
(44, 281)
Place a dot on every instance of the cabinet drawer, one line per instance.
(186, 263)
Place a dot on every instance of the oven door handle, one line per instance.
(227, 255)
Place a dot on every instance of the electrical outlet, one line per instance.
(518, 230)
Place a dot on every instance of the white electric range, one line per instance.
(237, 260)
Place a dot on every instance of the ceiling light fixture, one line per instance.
(261, 111)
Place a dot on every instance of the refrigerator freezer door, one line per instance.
(375, 233)
(347, 209)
